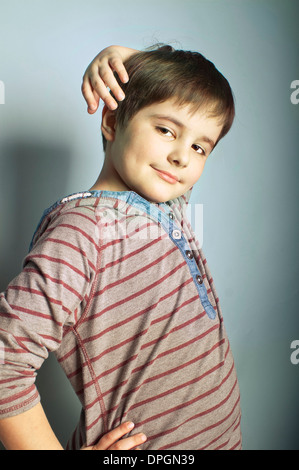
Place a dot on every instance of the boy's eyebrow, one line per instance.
(180, 124)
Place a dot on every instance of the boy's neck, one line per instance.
(109, 180)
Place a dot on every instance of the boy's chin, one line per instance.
(156, 193)
(157, 197)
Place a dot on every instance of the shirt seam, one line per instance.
(20, 405)
(75, 329)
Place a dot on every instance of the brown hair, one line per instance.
(188, 77)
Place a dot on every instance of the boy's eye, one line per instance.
(199, 149)
(164, 131)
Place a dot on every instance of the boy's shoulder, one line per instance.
(83, 211)
(76, 211)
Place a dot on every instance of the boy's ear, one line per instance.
(108, 125)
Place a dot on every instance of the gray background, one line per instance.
(51, 147)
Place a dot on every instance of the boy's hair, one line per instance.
(188, 77)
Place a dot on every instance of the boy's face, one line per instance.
(160, 153)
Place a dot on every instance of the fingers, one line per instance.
(112, 440)
(95, 88)
(112, 436)
(117, 65)
(91, 96)
(98, 78)
(129, 442)
(108, 78)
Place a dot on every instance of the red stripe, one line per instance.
(21, 405)
(170, 351)
(131, 254)
(198, 415)
(96, 358)
(36, 314)
(174, 389)
(171, 371)
(9, 315)
(29, 290)
(136, 273)
(208, 428)
(176, 328)
(76, 229)
(140, 313)
(17, 396)
(67, 355)
(54, 280)
(119, 345)
(51, 338)
(80, 214)
(133, 296)
(73, 247)
(176, 408)
(179, 387)
(28, 373)
(146, 310)
(224, 444)
(15, 351)
(150, 379)
(106, 372)
(59, 261)
(183, 345)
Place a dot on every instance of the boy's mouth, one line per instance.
(167, 176)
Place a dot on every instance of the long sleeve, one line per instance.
(48, 296)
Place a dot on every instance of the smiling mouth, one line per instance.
(167, 176)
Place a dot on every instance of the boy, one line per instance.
(116, 283)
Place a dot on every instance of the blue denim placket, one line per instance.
(164, 218)
(177, 237)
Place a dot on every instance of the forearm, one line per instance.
(28, 431)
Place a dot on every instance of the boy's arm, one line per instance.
(37, 304)
(28, 431)
(31, 431)
(99, 75)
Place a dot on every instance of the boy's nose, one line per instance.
(179, 157)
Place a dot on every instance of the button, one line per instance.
(199, 279)
(176, 234)
(189, 254)
(171, 215)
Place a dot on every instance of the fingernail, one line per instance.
(130, 425)
(143, 437)
(120, 96)
(92, 107)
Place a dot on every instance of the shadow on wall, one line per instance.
(32, 177)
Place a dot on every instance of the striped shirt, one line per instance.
(119, 289)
